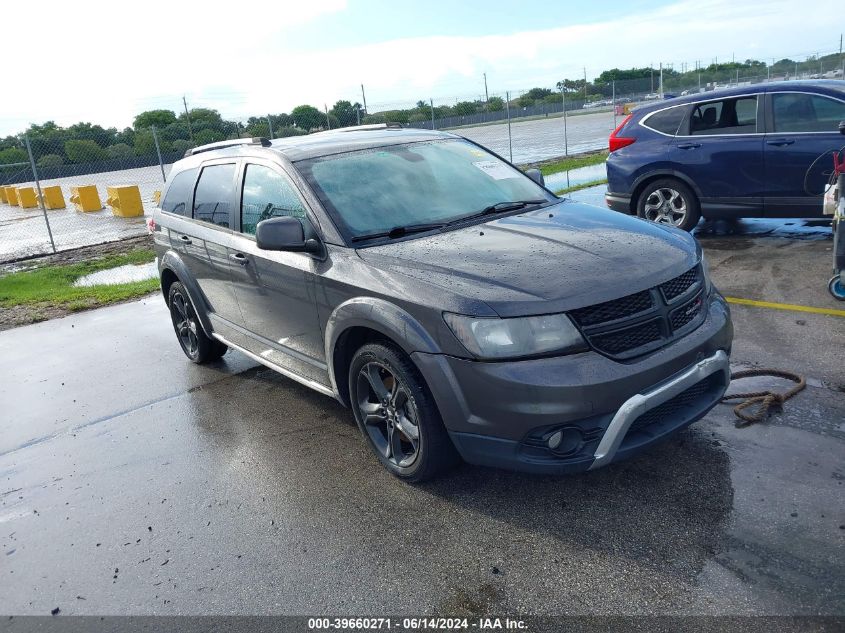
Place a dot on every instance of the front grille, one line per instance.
(686, 313)
(644, 321)
(612, 310)
(620, 341)
(674, 406)
(674, 288)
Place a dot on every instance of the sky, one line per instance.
(104, 62)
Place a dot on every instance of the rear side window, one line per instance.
(178, 196)
(798, 112)
(666, 121)
(213, 197)
(729, 116)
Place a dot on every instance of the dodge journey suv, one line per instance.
(459, 308)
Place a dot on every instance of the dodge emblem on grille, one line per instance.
(693, 308)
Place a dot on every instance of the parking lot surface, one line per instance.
(133, 482)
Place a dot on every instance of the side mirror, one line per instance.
(842, 127)
(284, 233)
(537, 176)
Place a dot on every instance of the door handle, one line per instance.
(185, 239)
(689, 146)
(780, 142)
(239, 258)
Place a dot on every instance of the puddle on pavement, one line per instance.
(711, 231)
(119, 275)
(731, 234)
(564, 179)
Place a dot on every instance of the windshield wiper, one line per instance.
(499, 207)
(398, 231)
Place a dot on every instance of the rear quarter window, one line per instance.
(666, 121)
(178, 197)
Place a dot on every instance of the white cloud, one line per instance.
(106, 69)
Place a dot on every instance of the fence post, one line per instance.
(158, 151)
(270, 125)
(431, 103)
(508, 114)
(565, 138)
(613, 101)
(38, 187)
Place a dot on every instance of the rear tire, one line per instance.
(397, 415)
(198, 347)
(669, 201)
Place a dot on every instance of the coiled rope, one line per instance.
(763, 399)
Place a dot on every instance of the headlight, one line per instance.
(512, 338)
(705, 271)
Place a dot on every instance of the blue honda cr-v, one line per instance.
(740, 152)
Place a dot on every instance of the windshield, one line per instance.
(375, 191)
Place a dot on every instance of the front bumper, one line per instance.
(618, 202)
(503, 414)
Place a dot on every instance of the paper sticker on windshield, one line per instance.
(495, 169)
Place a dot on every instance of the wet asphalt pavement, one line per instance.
(133, 482)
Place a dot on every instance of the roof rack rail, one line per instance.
(369, 126)
(264, 142)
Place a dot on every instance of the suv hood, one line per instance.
(553, 259)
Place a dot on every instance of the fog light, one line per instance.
(566, 440)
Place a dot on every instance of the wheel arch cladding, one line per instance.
(173, 269)
(365, 319)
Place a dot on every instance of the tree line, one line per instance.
(53, 145)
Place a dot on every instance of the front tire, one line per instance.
(397, 415)
(671, 202)
(198, 347)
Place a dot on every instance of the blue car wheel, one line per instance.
(836, 288)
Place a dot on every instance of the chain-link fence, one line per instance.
(76, 192)
(64, 188)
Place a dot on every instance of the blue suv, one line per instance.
(748, 151)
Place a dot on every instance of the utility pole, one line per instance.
(585, 84)
(431, 105)
(660, 89)
(270, 125)
(328, 120)
(651, 67)
(486, 94)
(364, 97)
(188, 117)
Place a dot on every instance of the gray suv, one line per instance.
(459, 308)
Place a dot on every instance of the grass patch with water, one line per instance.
(52, 285)
(572, 162)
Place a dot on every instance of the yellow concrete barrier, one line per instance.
(11, 196)
(53, 197)
(125, 201)
(27, 198)
(3, 197)
(85, 198)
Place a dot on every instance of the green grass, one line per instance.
(572, 162)
(583, 185)
(53, 284)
